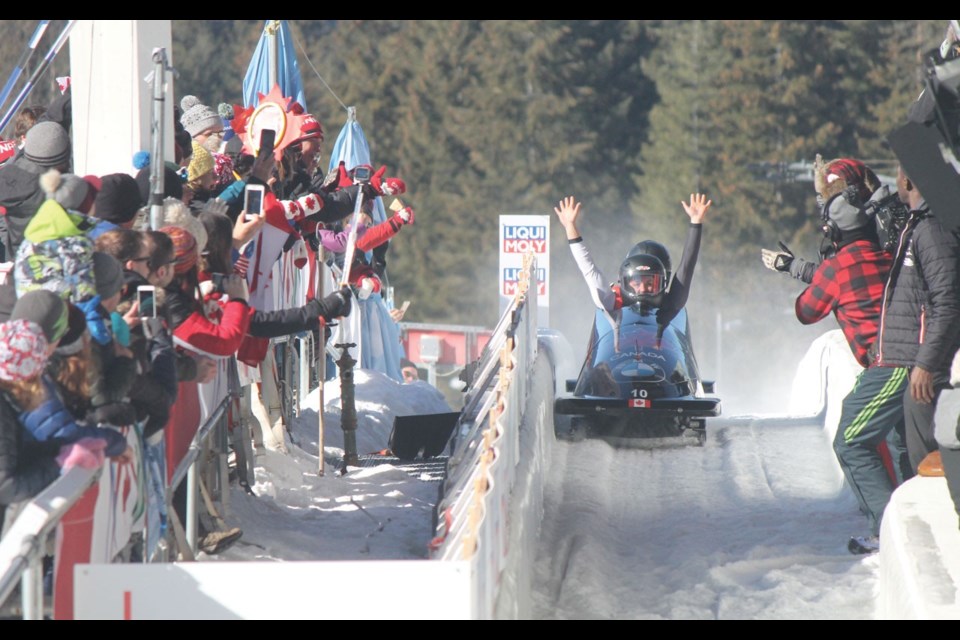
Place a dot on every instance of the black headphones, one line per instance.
(828, 227)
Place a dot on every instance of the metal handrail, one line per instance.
(196, 445)
(24, 543)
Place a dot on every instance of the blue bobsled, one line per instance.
(647, 386)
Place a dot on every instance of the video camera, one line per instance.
(362, 174)
(889, 214)
(928, 146)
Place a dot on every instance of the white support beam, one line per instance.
(112, 102)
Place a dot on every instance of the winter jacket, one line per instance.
(52, 420)
(920, 320)
(850, 284)
(21, 196)
(26, 466)
(193, 331)
(674, 299)
(111, 378)
(270, 324)
(322, 207)
(367, 240)
(155, 387)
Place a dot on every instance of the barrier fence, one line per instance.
(485, 451)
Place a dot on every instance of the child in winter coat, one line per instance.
(66, 402)
(27, 466)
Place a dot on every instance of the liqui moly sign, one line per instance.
(520, 235)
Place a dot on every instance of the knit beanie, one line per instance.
(184, 249)
(172, 184)
(108, 273)
(223, 169)
(23, 350)
(47, 144)
(71, 191)
(197, 117)
(201, 163)
(45, 308)
(119, 198)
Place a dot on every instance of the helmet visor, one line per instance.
(640, 284)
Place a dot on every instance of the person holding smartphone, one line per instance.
(216, 263)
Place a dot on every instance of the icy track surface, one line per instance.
(753, 525)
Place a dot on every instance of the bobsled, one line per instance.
(644, 385)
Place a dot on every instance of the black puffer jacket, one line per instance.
(26, 466)
(920, 320)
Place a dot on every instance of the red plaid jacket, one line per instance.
(850, 284)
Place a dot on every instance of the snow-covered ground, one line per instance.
(377, 512)
(753, 525)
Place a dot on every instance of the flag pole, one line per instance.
(27, 88)
(273, 71)
(159, 80)
(22, 62)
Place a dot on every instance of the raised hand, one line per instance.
(697, 208)
(568, 212)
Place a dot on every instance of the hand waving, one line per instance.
(568, 212)
(697, 209)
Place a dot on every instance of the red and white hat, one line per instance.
(23, 350)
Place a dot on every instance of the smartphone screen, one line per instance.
(253, 202)
(406, 305)
(145, 300)
(268, 139)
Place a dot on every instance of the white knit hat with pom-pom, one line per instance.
(198, 117)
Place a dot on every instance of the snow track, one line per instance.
(753, 525)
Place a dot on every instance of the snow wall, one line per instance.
(920, 551)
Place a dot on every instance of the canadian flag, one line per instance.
(64, 83)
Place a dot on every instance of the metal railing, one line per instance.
(23, 546)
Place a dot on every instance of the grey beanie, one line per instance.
(108, 273)
(68, 189)
(45, 308)
(846, 216)
(47, 144)
(198, 117)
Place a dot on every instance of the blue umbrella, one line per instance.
(351, 147)
(287, 67)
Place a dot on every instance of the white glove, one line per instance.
(366, 288)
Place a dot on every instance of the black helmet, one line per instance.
(654, 248)
(642, 279)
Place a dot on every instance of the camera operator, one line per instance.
(850, 284)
